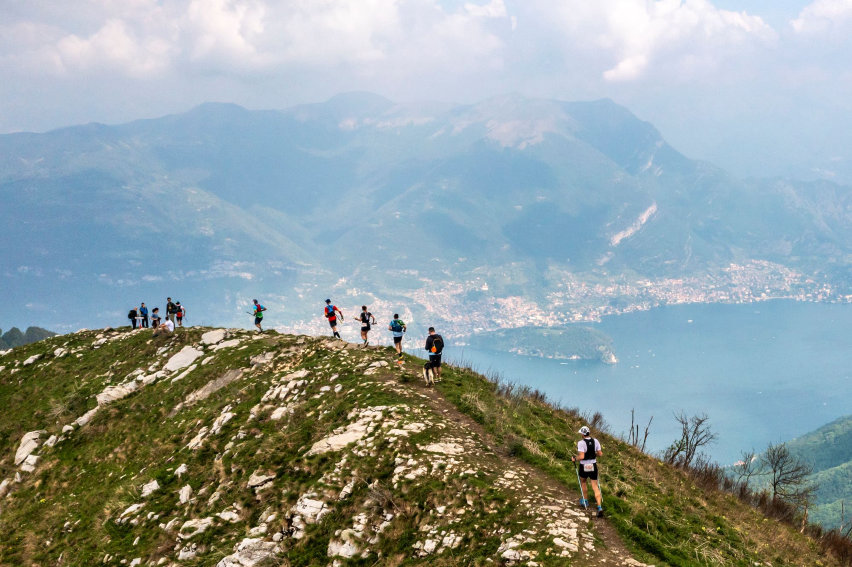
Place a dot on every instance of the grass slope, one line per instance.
(283, 450)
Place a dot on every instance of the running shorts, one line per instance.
(592, 474)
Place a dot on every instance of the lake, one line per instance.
(763, 372)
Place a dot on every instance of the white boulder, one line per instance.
(29, 443)
(182, 359)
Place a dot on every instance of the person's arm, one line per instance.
(580, 454)
(339, 312)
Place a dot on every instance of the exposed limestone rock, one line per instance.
(213, 386)
(214, 336)
(185, 373)
(261, 359)
(181, 470)
(51, 441)
(86, 417)
(197, 441)
(129, 512)
(182, 359)
(30, 463)
(29, 443)
(150, 488)
(259, 479)
(226, 344)
(196, 527)
(184, 494)
(249, 553)
(67, 428)
(113, 393)
(444, 448)
(4, 487)
(32, 359)
(229, 516)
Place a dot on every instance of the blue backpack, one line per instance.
(396, 326)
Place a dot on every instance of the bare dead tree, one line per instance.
(788, 476)
(695, 434)
(748, 467)
(633, 436)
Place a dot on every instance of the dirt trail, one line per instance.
(612, 552)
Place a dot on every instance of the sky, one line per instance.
(759, 87)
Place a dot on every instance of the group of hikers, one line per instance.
(397, 327)
(175, 314)
(588, 448)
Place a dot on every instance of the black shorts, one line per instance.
(397, 340)
(365, 328)
(332, 322)
(257, 320)
(434, 361)
(592, 474)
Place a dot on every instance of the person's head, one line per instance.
(363, 308)
(255, 301)
(328, 301)
(431, 330)
(156, 310)
(143, 304)
(584, 431)
(168, 299)
(396, 315)
(177, 302)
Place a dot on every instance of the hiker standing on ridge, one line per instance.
(258, 315)
(331, 312)
(435, 346)
(588, 450)
(132, 314)
(180, 313)
(171, 309)
(398, 328)
(366, 320)
(155, 318)
(143, 313)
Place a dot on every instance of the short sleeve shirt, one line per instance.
(581, 448)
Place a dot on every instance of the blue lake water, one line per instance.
(764, 372)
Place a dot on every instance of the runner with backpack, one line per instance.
(588, 450)
(331, 312)
(398, 328)
(171, 309)
(434, 346)
(258, 315)
(367, 320)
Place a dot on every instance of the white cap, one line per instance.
(584, 430)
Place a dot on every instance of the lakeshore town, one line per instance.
(471, 306)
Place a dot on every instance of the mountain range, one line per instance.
(511, 204)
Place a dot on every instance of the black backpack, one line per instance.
(438, 344)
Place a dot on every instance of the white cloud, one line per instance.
(824, 15)
(637, 35)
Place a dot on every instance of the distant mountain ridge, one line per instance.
(221, 204)
(829, 450)
(15, 338)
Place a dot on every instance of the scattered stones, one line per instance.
(181, 470)
(226, 344)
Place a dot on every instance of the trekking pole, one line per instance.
(580, 485)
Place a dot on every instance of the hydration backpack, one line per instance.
(396, 326)
(437, 345)
(329, 311)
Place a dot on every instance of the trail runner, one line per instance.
(398, 328)
(367, 320)
(331, 312)
(588, 450)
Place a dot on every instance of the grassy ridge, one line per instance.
(662, 514)
(402, 498)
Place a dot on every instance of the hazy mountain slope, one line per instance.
(829, 450)
(97, 218)
(227, 448)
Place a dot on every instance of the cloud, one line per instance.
(824, 16)
(631, 37)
